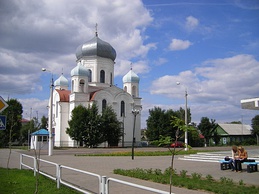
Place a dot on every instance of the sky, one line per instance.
(209, 47)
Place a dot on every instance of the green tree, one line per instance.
(13, 115)
(255, 126)
(77, 124)
(235, 122)
(28, 128)
(158, 123)
(181, 114)
(85, 126)
(111, 127)
(207, 128)
(44, 122)
(93, 135)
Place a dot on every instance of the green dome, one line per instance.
(131, 77)
(61, 81)
(79, 70)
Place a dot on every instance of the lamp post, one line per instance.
(50, 115)
(135, 112)
(185, 119)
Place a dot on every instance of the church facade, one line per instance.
(92, 81)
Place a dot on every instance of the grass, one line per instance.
(194, 182)
(142, 153)
(15, 181)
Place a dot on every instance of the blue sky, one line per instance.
(210, 47)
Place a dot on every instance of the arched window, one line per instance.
(90, 75)
(125, 89)
(104, 104)
(134, 91)
(82, 85)
(122, 109)
(72, 89)
(111, 80)
(102, 76)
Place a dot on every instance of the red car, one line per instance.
(177, 144)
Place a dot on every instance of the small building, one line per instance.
(39, 140)
(232, 133)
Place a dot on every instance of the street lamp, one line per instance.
(135, 112)
(50, 114)
(185, 119)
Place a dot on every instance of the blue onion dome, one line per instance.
(131, 77)
(96, 47)
(79, 70)
(61, 81)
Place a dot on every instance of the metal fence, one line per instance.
(103, 182)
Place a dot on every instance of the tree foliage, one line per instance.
(44, 122)
(13, 115)
(255, 125)
(78, 123)
(87, 126)
(207, 128)
(94, 134)
(28, 128)
(158, 122)
(111, 127)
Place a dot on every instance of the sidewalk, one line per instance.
(104, 166)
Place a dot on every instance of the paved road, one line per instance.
(104, 166)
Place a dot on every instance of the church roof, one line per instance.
(96, 47)
(131, 77)
(61, 81)
(80, 70)
(64, 95)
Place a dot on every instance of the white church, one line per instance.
(92, 81)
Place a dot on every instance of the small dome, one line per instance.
(131, 77)
(80, 70)
(61, 81)
(96, 47)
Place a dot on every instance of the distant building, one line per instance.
(92, 81)
(251, 104)
(24, 121)
(230, 133)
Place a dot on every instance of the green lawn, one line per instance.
(194, 182)
(15, 181)
(143, 153)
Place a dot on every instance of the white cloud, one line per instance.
(33, 107)
(191, 23)
(160, 61)
(178, 44)
(227, 78)
(46, 33)
(215, 87)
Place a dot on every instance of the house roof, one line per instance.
(42, 132)
(64, 95)
(236, 129)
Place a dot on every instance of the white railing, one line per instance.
(103, 181)
(80, 171)
(132, 185)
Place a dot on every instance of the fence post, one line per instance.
(20, 161)
(103, 185)
(58, 175)
(34, 166)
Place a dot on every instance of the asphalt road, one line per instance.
(104, 166)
